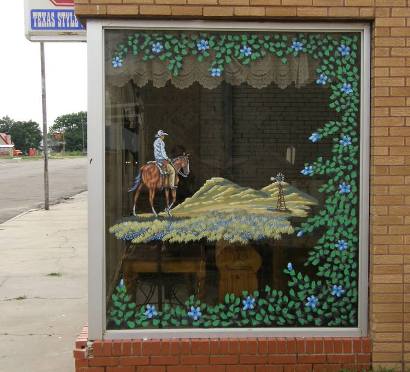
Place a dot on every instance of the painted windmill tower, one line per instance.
(281, 204)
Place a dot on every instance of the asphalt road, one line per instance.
(21, 183)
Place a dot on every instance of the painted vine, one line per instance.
(329, 299)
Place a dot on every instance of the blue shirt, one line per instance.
(159, 150)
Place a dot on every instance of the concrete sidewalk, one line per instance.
(43, 287)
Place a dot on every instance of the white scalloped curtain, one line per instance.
(299, 71)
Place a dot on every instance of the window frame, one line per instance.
(96, 179)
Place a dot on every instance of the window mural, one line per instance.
(232, 179)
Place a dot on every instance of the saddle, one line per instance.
(161, 168)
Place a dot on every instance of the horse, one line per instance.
(150, 176)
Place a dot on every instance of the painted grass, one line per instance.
(220, 210)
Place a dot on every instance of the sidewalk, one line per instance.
(43, 287)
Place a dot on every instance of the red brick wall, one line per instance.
(224, 355)
(389, 315)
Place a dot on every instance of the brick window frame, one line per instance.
(96, 104)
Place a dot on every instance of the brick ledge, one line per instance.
(260, 354)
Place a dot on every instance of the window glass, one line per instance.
(231, 179)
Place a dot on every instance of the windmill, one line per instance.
(281, 204)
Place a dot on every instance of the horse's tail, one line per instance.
(136, 182)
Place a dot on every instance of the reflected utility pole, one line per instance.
(82, 132)
(45, 144)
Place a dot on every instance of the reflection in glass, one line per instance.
(231, 190)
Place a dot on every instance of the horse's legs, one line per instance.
(137, 194)
(167, 199)
(174, 197)
(151, 200)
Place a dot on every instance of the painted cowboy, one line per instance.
(162, 159)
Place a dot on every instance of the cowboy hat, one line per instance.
(161, 133)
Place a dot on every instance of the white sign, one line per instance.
(52, 20)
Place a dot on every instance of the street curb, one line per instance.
(21, 215)
(61, 200)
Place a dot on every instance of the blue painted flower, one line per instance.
(300, 233)
(323, 78)
(195, 313)
(290, 266)
(337, 290)
(116, 62)
(307, 171)
(346, 140)
(157, 47)
(216, 72)
(151, 312)
(341, 245)
(344, 50)
(315, 137)
(158, 236)
(246, 51)
(344, 188)
(312, 302)
(248, 303)
(297, 46)
(121, 283)
(346, 88)
(202, 45)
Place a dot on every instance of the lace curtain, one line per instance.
(259, 74)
